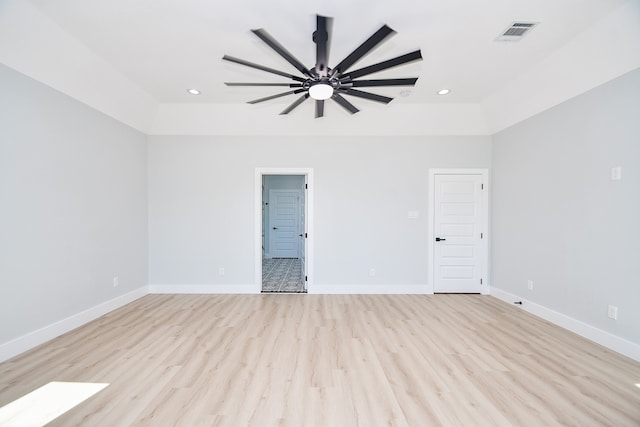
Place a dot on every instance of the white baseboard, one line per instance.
(313, 289)
(370, 289)
(203, 289)
(606, 339)
(33, 339)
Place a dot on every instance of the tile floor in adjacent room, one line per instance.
(282, 275)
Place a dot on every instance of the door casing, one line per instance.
(484, 259)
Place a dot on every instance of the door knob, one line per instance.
(438, 239)
(275, 228)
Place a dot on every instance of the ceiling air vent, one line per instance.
(516, 31)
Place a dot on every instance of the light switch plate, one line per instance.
(616, 173)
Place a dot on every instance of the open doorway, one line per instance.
(283, 255)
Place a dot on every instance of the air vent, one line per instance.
(516, 31)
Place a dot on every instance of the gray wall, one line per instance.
(557, 217)
(73, 203)
(201, 204)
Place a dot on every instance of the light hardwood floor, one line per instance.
(331, 360)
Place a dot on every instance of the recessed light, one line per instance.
(443, 91)
(193, 91)
(405, 92)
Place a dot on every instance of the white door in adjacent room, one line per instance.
(459, 222)
(284, 223)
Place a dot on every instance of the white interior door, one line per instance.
(284, 223)
(264, 223)
(458, 233)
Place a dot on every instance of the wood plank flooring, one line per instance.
(331, 360)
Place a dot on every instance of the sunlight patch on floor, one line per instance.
(47, 403)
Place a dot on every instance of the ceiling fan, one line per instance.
(322, 82)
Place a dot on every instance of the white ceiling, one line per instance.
(162, 48)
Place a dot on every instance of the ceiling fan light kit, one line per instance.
(321, 82)
(321, 90)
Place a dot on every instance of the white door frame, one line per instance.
(259, 173)
(486, 289)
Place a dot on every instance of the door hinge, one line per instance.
(305, 235)
(481, 281)
(482, 235)
(305, 278)
(306, 186)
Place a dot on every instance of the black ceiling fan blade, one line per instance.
(264, 84)
(400, 60)
(319, 108)
(384, 82)
(344, 103)
(321, 39)
(262, 67)
(373, 41)
(295, 104)
(367, 95)
(278, 95)
(273, 44)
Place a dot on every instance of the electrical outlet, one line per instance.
(116, 281)
(221, 271)
(530, 284)
(372, 272)
(612, 312)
